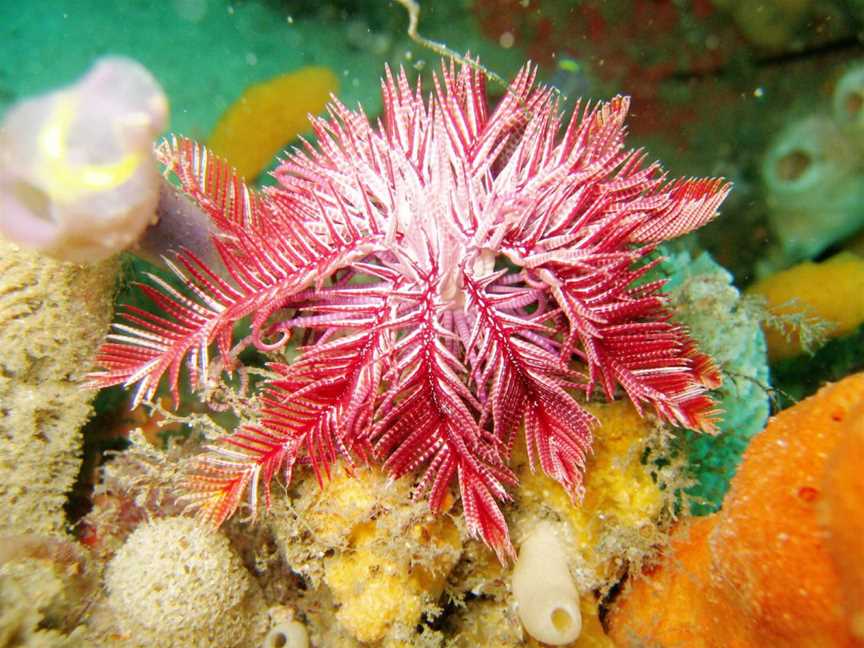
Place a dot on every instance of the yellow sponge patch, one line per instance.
(388, 556)
(830, 291)
(268, 116)
(376, 589)
(489, 622)
(593, 635)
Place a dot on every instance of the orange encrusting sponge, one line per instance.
(268, 116)
(781, 563)
(844, 515)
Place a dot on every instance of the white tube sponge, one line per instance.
(547, 599)
(811, 174)
(285, 630)
(287, 635)
(78, 180)
(808, 158)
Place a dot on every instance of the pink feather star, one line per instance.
(457, 276)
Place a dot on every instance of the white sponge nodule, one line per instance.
(176, 582)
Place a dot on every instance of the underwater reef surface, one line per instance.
(772, 99)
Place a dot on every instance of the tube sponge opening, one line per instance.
(291, 634)
(848, 98)
(812, 185)
(285, 631)
(77, 176)
(547, 599)
(807, 155)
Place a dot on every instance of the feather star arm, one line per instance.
(268, 256)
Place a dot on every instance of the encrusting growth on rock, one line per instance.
(46, 588)
(52, 316)
(386, 558)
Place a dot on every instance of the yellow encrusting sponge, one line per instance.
(268, 116)
(829, 291)
(617, 521)
(386, 557)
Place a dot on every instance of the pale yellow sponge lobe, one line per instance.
(830, 291)
(176, 582)
(371, 591)
(618, 517)
(268, 116)
(378, 589)
(347, 501)
(593, 635)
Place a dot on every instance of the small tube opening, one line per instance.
(277, 640)
(561, 619)
(853, 104)
(287, 635)
(793, 165)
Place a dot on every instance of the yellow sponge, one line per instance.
(268, 116)
(377, 589)
(488, 622)
(830, 291)
(386, 556)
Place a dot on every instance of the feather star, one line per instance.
(458, 275)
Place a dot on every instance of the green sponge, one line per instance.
(705, 301)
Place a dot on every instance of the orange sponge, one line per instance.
(679, 603)
(268, 116)
(844, 515)
(766, 570)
